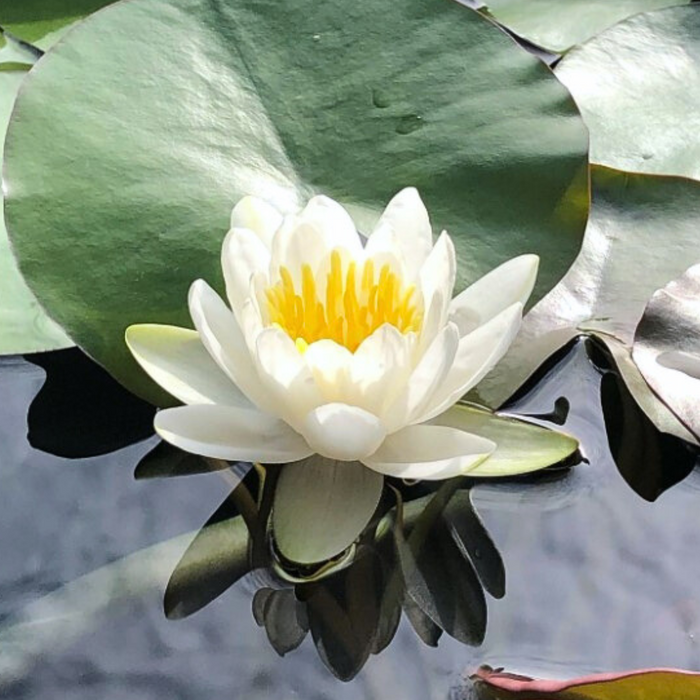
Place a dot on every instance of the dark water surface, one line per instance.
(598, 578)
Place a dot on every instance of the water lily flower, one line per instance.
(335, 347)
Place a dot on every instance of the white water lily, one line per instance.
(332, 347)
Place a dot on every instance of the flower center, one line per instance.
(357, 301)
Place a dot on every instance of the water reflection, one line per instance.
(430, 557)
(598, 578)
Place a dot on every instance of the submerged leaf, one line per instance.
(492, 140)
(321, 506)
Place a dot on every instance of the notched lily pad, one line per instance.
(138, 195)
(634, 219)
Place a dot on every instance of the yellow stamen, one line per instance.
(350, 313)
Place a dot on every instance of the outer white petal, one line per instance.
(222, 337)
(510, 282)
(430, 452)
(427, 377)
(224, 432)
(176, 359)
(342, 432)
(330, 365)
(380, 369)
(243, 255)
(286, 375)
(478, 352)
(404, 227)
(258, 216)
(438, 273)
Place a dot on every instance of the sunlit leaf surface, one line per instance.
(24, 327)
(137, 194)
(667, 346)
(557, 25)
(638, 86)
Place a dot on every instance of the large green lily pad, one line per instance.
(642, 232)
(135, 136)
(557, 25)
(43, 22)
(24, 327)
(638, 87)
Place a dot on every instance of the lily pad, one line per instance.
(638, 86)
(24, 327)
(645, 684)
(667, 347)
(557, 25)
(134, 137)
(321, 506)
(43, 22)
(641, 233)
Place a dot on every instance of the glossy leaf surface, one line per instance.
(137, 193)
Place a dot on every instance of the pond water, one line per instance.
(597, 577)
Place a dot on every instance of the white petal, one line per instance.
(404, 228)
(286, 375)
(330, 365)
(510, 282)
(176, 359)
(224, 432)
(343, 432)
(430, 452)
(427, 377)
(380, 368)
(257, 216)
(223, 339)
(295, 244)
(478, 352)
(438, 273)
(330, 217)
(243, 255)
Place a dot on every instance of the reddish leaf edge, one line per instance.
(514, 683)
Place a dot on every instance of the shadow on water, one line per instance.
(598, 577)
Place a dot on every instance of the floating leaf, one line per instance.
(646, 684)
(137, 195)
(634, 219)
(321, 506)
(557, 25)
(24, 327)
(521, 447)
(667, 346)
(43, 22)
(638, 86)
